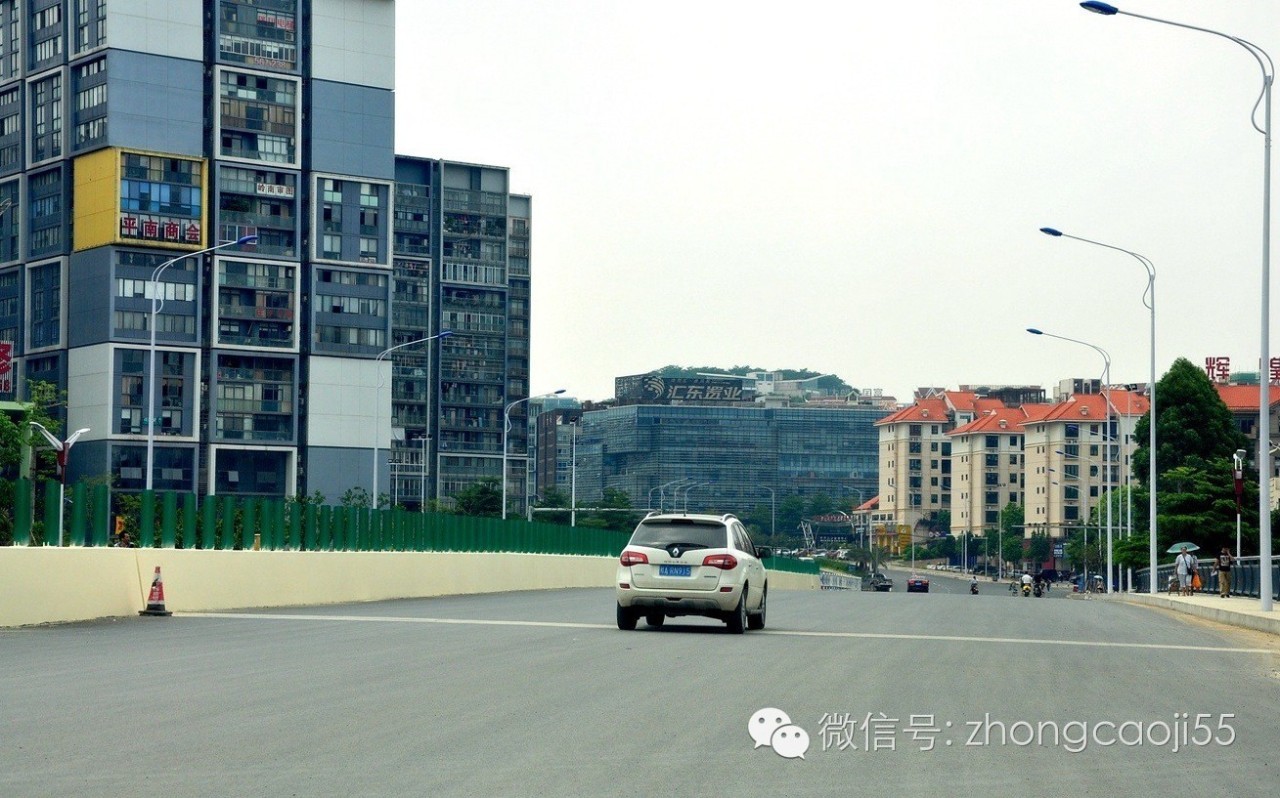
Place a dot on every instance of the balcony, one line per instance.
(236, 311)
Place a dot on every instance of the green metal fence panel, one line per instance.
(309, 536)
(208, 522)
(228, 522)
(168, 519)
(248, 523)
(339, 526)
(190, 526)
(147, 520)
(101, 515)
(295, 528)
(272, 524)
(79, 528)
(23, 502)
(51, 500)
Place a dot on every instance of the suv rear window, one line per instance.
(662, 534)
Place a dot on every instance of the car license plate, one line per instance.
(674, 570)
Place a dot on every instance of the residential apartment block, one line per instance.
(136, 137)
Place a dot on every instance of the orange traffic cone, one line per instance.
(155, 601)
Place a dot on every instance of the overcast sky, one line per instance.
(857, 188)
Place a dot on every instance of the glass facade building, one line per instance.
(729, 456)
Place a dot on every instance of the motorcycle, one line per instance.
(1026, 591)
(973, 588)
(1038, 591)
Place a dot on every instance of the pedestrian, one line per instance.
(1224, 572)
(1186, 565)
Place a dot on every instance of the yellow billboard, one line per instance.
(137, 197)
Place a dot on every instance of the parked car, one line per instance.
(917, 584)
(682, 564)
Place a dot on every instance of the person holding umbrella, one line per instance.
(1186, 565)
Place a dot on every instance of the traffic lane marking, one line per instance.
(769, 633)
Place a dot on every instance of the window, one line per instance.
(46, 118)
(258, 117)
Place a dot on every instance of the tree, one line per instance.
(483, 498)
(611, 499)
(1196, 438)
(15, 434)
(791, 510)
(821, 504)
(1040, 549)
(553, 498)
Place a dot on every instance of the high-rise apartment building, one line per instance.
(136, 137)
(461, 242)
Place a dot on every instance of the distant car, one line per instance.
(682, 564)
(917, 584)
(880, 583)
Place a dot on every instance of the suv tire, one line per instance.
(627, 618)
(738, 619)
(756, 621)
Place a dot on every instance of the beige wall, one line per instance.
(56, 585)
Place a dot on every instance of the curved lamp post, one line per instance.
(157, 303)
(1265, 467)
(1149, 300)
(1106, 451)
(506, 427)
(377, 407)
(63, 448)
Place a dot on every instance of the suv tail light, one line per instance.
(630, 558)
(725, 562)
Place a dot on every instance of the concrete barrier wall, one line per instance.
(57, 585)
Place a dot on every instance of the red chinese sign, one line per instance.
(172, 230)
(6, 367)
(1219, 369)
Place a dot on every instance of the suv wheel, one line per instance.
(757, 621)
(738, 620)
(627, 618)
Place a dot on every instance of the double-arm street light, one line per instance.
(63, 448)
(1265, 467)
(1107, 483)
(157, 302)
(377, 406)
(1149, 300)
(506, 427)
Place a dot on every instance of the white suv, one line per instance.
(681, 564)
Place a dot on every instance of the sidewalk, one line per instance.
(1234, 611)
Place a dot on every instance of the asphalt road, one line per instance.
(540, 694)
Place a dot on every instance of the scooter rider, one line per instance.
(1026, 583)
(973, 585)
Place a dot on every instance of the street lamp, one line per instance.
(1149, 300)
(675, 493)
(689, 490)
(377, 404)
(157, 303)
(63, 448)
(573, 474)
(1265, 467)
(1106, 450)
(506, 427)
(1237, 463)
(662, 494)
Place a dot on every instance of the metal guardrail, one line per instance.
(1246, 574)
(833, 581)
